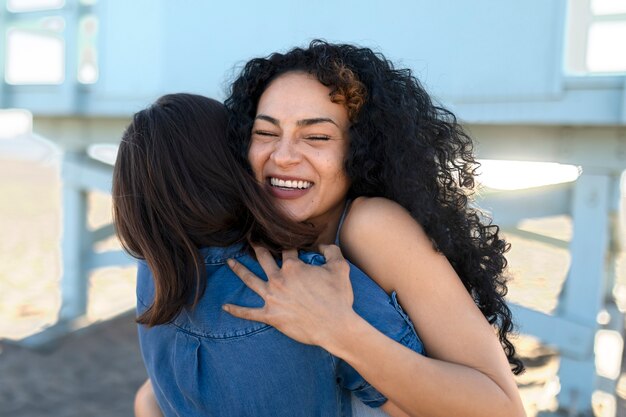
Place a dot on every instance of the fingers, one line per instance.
(253, 282)
(290, 255)
(266, 260)
(331, 253)
(247, 313)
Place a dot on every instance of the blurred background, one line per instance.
(539, 84)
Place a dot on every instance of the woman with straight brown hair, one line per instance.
(183, 205)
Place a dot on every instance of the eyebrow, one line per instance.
(267, 119)
(300, 123)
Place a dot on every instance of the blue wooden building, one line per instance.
(539, 80)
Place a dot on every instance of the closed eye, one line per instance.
(318, 137)
(264, 133)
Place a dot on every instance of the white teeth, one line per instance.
(290, 183)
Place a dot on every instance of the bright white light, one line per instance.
(30, 147)
(88, 73)
(103, 152)
(606, 50)
(604, 404)
(515, 175)
(34, 59)
(603, 317)
(608, 353)
(600, 7)
(53, 23)
(15, 122)
(32, 5)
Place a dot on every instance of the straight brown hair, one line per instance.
(177, 186)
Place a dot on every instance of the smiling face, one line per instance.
(298, 148)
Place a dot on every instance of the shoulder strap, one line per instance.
(343, 217)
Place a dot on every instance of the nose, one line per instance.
(285, 152)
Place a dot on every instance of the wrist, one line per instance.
(344, 333)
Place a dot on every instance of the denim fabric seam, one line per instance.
(394, 302)
(413, 342)
(377, 397)
(367, 385)
(410, 338)
(338, 393)
(225, 338)
(142, 302)
(220, 260)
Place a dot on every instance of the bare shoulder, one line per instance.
(376, 219)
(379, 236)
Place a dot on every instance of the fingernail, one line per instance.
(230, 262)
(225, 307)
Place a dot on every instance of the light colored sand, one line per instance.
(30, 267)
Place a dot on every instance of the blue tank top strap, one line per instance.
(343, 217)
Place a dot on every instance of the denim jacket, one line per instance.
(207, 362)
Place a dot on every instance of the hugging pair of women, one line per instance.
(309, 247)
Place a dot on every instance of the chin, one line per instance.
(293, 214)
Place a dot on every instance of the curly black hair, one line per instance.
(403, 147)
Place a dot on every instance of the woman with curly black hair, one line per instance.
(345, 141)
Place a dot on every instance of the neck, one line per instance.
(330, 229)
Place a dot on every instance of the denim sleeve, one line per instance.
(391, 320)
(350, 379)
(144, 287)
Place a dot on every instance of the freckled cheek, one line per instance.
(256, 160)
(339, 169)
(331, 164)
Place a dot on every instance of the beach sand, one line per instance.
(96, 372)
